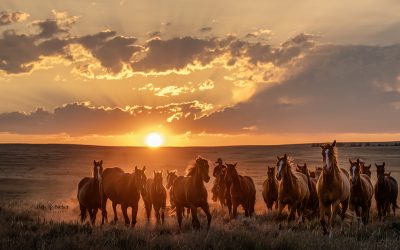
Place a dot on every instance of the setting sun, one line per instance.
(154, 140)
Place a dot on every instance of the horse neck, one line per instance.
(235, 180)
(196, 177)
(288, 177)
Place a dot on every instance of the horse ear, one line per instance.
(376, 165)
(334, 143)
(358, 161)
(351, 163)
(321, 146)
(277, 157)
(135, 168)
(101, 162)
(144, 168)
(305, 165)
(285, 156)
(384, 163)
(368, 166)
(298, 165)
(235, 164)
(94, 162)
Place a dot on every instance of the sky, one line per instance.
(199, 73)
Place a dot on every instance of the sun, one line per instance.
(154, 140)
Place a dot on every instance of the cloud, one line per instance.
(175, 90)
(7, 18)
(81, 118)
(205, 29)
(61, 23)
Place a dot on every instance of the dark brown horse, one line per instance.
(219, 188)
(190, 192)
(241, 189)
(293, 189)
(333, 188)
(386, 191)
(312, 204)
(89, 194)
(365, 169)
(156, 197)
(361, 191)
(122, 188)
(270, 189)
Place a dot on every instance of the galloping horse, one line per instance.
(122, 188)
(333, 187)
(190, 192)
(155, 196)
(293, 189)
(270, 189)
(386, 191)
(312, 203)
(241, 189)
(89, 194)
(361, 191)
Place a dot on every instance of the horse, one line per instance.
(190, 192)
(312, 174)
(386, 191)
(365, 169)
(293, 189)
(361, 191)
(89, 194)
(242, 190)
(318, 172)
(155, 196)
(219, 188)
(270, 189)
(122, 188)
(333, 187)
(312, 203)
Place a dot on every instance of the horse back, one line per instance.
(118, 186)
(83, 182)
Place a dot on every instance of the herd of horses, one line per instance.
(326, 192)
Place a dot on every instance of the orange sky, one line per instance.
(215, 73)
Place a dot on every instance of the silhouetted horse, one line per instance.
(312, 204)
(190, 192)
(122, 188)
(333, 187)
(365, 169)
(89, 194)
(293, 189)
(155, 196)
(361, 191)
(270, 189)
(386, 191)
(241, 189)
(219, 188)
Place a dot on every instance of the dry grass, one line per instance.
(41, 225)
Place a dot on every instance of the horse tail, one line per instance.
(83, 213)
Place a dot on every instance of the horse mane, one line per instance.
(290, 165)
(191, 169)
(335, 156)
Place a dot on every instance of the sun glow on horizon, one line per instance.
(154, 140)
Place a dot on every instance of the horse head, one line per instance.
(171, 177)
(318, 171)
(271, 173)
(282, 165)
(380, 172)
(140, 178)
(230, 172)
(329, 156)
(203, 168)
(302, 169)
(97, 169)
(158, 179)
(354, 171)
(365, 169)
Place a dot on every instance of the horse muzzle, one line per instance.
(278, 177)
(206, 179)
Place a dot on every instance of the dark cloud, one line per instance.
(60, 24)
(205, 29)
(7, 18)
(111, 50)
(78, 119)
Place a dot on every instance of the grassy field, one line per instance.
(54, 226)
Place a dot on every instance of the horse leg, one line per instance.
(125, 214)
(322, 212)
(157, 211)
(179, 214)
(281, 206)
(195, 220)
(103, 209)
(147, 206)
(94, 215)
(292, 212)
(134, 215)
(114, 206)
(357, 210)
(206, 210)
(162, 214)
(229, 205)
(234, 209)
(379, 206)
(83, 213)
(345, 205)
(335, 208)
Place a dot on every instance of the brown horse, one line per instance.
(312, 204)
(190, 192)
(270, 189)
(293, 189)
(219, 188)
(386, 191)
(365, 169)
(241, 189)
(122, 188)
(155, 196)
(89, 194)
(333, 187)
(361, 191)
